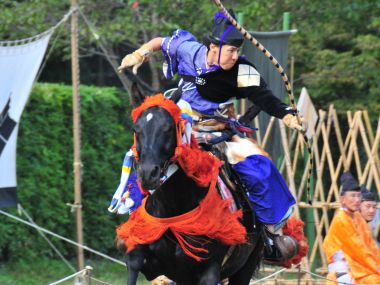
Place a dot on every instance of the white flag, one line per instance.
(307, 110)
(19, 64)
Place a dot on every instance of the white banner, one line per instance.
(19, 64)
(308, 112)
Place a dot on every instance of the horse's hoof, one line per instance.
(120, 245)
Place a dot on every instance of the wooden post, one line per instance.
(76, 132)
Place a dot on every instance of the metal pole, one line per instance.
(76, 132)
(285, 23)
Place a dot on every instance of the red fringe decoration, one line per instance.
(294, 228)
(212, 218)
(199, 165)
(158, 100)
(171, 107)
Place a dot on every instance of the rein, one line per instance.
(284, 77)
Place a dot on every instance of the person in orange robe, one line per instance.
(351, 251)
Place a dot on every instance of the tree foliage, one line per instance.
(45, 168)
(336, 48)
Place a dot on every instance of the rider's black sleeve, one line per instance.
(263, 97)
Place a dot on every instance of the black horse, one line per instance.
(155, 134)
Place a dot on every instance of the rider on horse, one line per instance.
(210, 77)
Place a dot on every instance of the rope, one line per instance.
(305, 271)
(122, 263)
(62, 238)
(279, 68)
(47, 240)
(47, 56)
(268, 277)
(41, 35)
(70, 276)
(100, 281)
(327, 279)
(84, 272)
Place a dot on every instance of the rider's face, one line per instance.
(228, 55)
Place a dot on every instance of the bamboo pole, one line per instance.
(367, 122)
(293, 137)
(375, 171)
(76, 132)
(325, 134)
(289, 171)
(319, 190)
(296, 152)
(258, 132)
(348, 147)
(375, 155)
(326, 154)
(357, 156)
(355, 125)
(268, 130)
(322, 115)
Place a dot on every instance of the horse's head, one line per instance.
(155, 134)
(156, 122)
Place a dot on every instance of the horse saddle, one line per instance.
(278, 248)
(231, 181)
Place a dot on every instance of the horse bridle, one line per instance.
(284, 77)
(170, 163)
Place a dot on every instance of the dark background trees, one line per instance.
(336, 48)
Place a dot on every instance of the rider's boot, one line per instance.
(278, 248)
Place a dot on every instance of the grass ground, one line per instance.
(44, 271)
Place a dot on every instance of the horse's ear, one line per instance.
(176, 95)
(136, 97)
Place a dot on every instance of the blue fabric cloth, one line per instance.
(183, 54)
(266, 187)
(134, 190)
(170, 46)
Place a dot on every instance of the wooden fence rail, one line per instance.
(351, 143)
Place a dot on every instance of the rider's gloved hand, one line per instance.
(291, 121)
(136, 59)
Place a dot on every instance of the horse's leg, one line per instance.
(244, 274)
(211, 276)
(135, 261)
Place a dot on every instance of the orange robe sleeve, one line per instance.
(362, 276)
(347, 234)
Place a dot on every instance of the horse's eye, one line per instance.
(166, 128)
(135, 128)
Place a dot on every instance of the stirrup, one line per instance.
(282, 249)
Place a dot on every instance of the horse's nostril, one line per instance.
(149, 175)
(156, 171)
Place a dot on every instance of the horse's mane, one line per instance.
(158, 100)
(198, 164)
